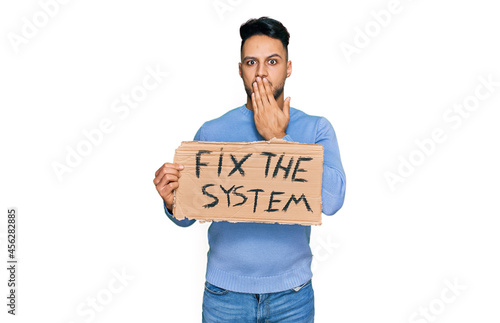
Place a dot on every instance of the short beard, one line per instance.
(276, 94)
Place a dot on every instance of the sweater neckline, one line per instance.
(249, 112)
(245, 110)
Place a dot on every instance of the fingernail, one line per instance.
(258, 78)
(181, 166)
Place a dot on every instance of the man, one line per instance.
(260, 272)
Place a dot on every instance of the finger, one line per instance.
(262, 91)
(161, 184)
(269, 90)
(164, 187)
(169, 165)
(254, 104)
(167, 178)
(258, 99)
(166, 171)
(171, 187)
(168, 189)
(163, 166)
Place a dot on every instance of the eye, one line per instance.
(272, 61)
(250, 62)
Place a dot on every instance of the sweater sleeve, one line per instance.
(184, 222)
(333, 188)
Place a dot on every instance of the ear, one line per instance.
(239, 69)
(288, 68)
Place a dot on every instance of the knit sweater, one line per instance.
(264, 257)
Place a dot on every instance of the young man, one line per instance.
(259, 271)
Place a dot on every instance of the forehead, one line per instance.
(262, 45)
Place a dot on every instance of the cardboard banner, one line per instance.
(264, 181)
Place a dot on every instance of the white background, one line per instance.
(384, 255)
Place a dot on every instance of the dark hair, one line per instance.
(265, 26)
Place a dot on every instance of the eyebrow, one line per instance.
(252, 57)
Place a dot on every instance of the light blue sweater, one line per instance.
(261, 257)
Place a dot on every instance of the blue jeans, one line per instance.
(293, 305)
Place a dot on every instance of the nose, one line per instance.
(261, 71)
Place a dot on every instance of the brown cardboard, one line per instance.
(293, 196)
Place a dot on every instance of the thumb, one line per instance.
(286, 107)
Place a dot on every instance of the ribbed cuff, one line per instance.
(182, 223)
(260, 285)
